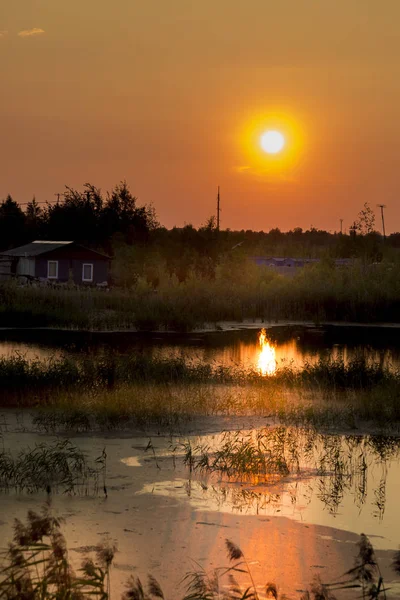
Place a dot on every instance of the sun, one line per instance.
(272, 142)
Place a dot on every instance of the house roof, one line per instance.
(39, 247)
(35, 248)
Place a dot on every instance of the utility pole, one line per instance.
(382, 206)
(341, 226)
(58, 198)
(218, 208)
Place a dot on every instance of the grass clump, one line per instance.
(336, 464)
(36, 564)
(59, 466)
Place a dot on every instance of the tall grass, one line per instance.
(118, 391)
(20, 375)
(318, 293)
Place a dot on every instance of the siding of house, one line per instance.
(26, 266)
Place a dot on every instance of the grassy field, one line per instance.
(244, 291)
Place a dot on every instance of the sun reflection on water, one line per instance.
(266, 363)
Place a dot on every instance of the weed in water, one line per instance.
(60, 466)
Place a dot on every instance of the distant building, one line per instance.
(289, 266)
(56, 262)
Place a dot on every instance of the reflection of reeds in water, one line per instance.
(334, 464)
(59, 466)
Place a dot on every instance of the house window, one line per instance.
(87, 272)
(52, 269)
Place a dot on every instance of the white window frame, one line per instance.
(83, 272)
(54, 262)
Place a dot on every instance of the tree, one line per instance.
(34, 220)
(365, 222)
(12, 224)
(121, 215)
(77, 217)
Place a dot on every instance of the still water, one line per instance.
(279, 346)
(346, 482)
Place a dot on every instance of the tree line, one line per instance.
(115, 223)
(85, 216)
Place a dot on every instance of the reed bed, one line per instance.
(59, 466)
(319, 293)
(260, 459)
(18, 375)
(120, 391)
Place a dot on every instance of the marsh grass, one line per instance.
(182, 389)
(59, 466)
(36, 564)
(172, 407)
(238, 291)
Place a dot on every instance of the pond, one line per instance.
(164, 516)
(174, 497)
(284, 345)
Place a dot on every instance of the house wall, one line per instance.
(100, 269)
(26, 266)
(5, 269)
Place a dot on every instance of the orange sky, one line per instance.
(160, 92)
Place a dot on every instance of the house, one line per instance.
(58, 262)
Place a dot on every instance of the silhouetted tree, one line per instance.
(34, 221)
(12, 224)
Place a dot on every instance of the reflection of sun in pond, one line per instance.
(266, 360)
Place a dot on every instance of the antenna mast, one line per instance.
(382, 206)
(218, 208)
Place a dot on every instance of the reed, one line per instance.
(319, 293)
(36, 565)
(26, 380)
(337, 463)
(59, 466)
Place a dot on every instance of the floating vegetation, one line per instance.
(56, 467)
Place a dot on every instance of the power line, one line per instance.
(382, 206)
(36, 202)
(218, 209)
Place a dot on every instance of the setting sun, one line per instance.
(272, 142)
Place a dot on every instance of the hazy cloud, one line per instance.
(3, 33)
(30, 32)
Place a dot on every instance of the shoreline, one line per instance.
(221, 327)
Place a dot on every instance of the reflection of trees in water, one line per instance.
(303, 461)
